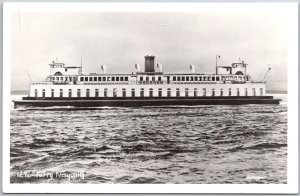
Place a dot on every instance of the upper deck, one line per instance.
(60, 74)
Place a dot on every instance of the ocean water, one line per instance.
(171, 144)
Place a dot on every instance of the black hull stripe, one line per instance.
(146, 102)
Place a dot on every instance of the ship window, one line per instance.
(81, 79)
(112, 78)
(196, 78)
(96, 92)
(174, 78)
(238, 92)
(153, 78)
(159, 78)
(121, 79)
(70, 92)
(192, 78)
(177, 92)
(52, 92)
(213, 79)
(61, 92)
(160, 92)
(142, 92)
(208, 78)
(86, 79)
(246, 92)
(99, 78)
(183, 78)
(187, 78)
(253, 92)
(95, 78)
(213, 92)
(151, 92)
(124, 92)
(221, 92)
(261, 90)
(200, 78)
(126, 78)
(218, 78)
(141, 78)
(114, 92)
(44, 94)
(204, 92)
(147, 79)
(104, 79)
(35, 92)
(169, 92)
(87, 92)
(186, 92)
(204, 78)
(117, 78)
(195, 92)
(229, 92)
(108, 79)
(178, 78)
(105, 92)
(61, 78)
(132, 92)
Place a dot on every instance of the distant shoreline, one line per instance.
(276, 92)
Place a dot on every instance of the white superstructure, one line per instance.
(70, 82)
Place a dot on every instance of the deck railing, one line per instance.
(41, 83)
(142, 82)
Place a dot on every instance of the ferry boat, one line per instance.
(68, 86)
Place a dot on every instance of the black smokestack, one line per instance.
(149, 63)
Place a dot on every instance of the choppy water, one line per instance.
(200, 144)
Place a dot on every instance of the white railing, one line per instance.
(41, 83)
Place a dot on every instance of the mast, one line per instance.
(217, 57)
(216, 65)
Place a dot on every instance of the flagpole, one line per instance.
(216, 64)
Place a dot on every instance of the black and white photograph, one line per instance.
(150, 95)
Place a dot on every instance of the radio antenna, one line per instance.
(29, 76)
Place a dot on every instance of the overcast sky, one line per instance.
(119, 40)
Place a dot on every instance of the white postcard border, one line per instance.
(291, 10)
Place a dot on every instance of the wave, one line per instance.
(262, 146)
(66, 108)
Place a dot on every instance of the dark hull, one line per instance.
(145, 101)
